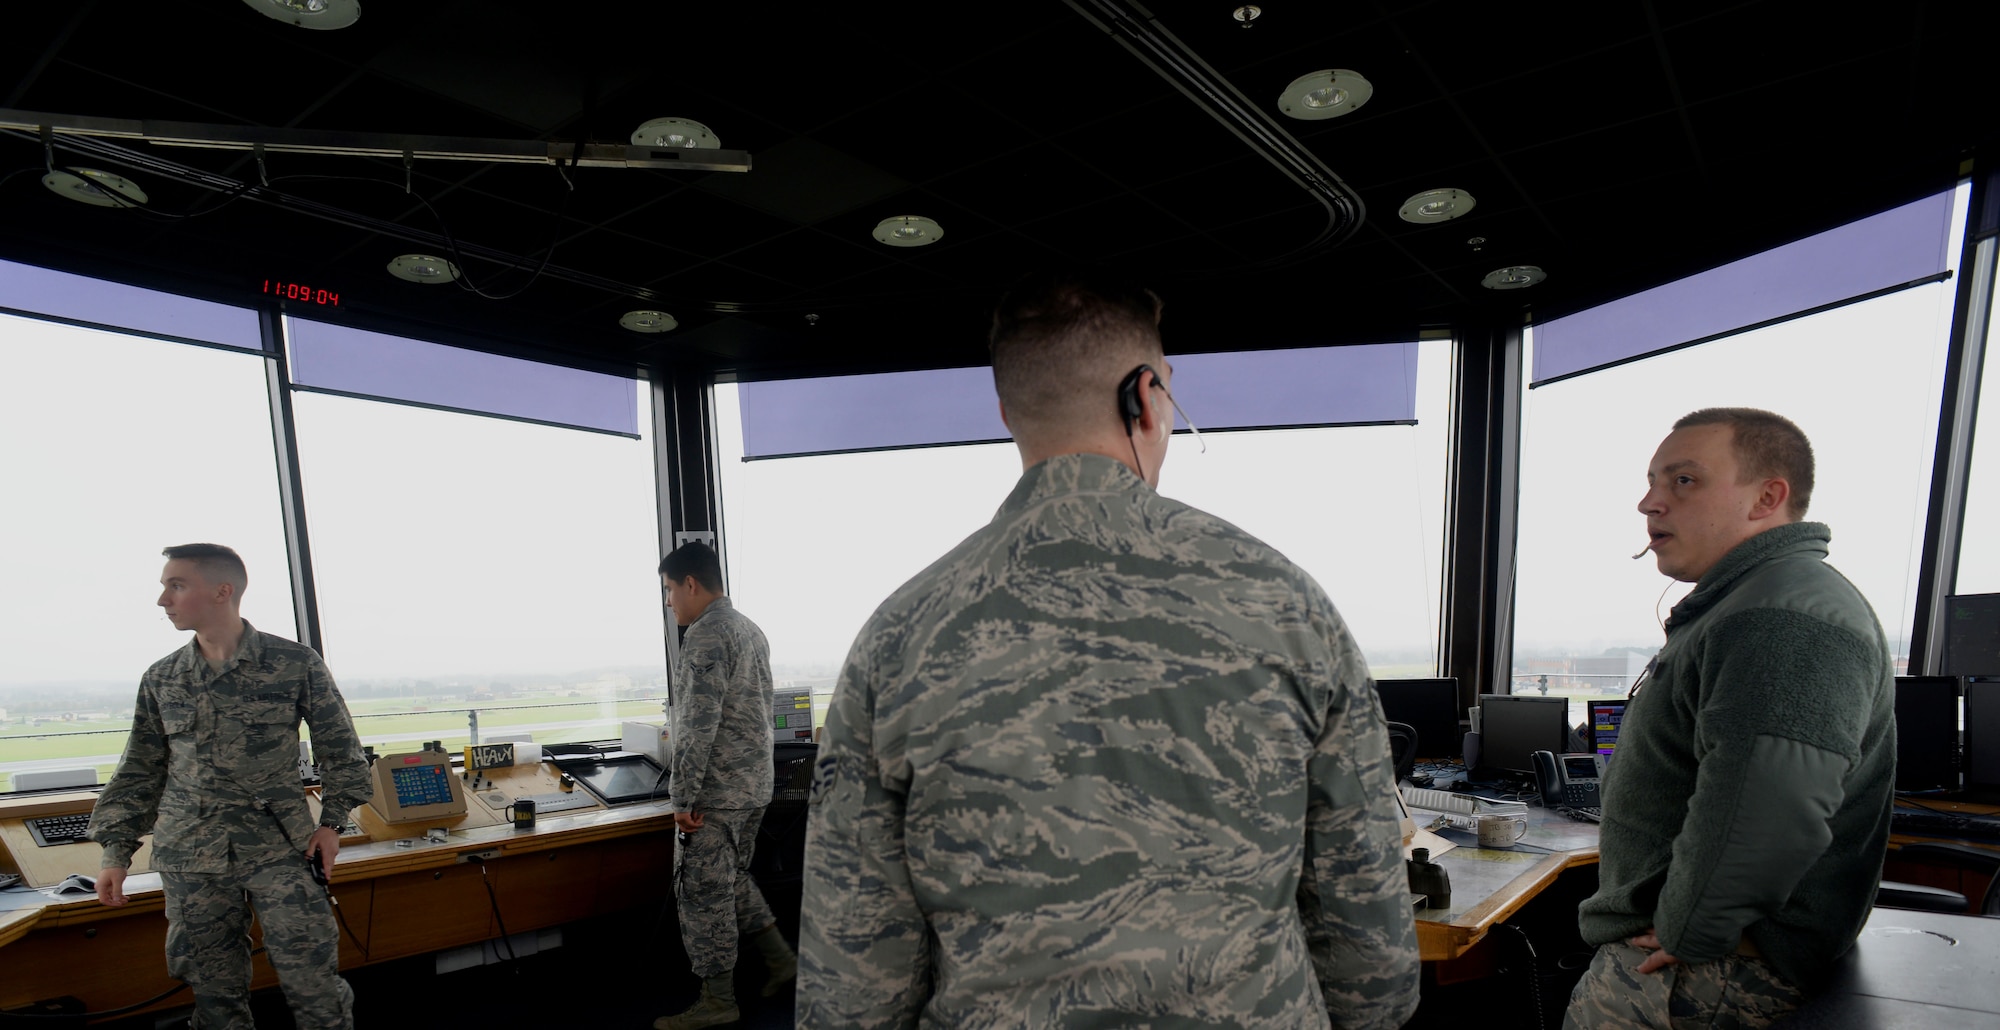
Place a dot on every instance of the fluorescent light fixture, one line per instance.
(1325, 94)
(908, 231)
(648, 321)
(310, 14)
(1436, 206)
(1513, 277)
(95, 187)
(675, 132)
(423, 268)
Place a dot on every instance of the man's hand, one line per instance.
(1659, 959)
(688, 821)
(111, 885)
(325, 844)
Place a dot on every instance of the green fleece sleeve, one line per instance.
(1784, 701)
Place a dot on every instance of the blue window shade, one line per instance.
(840, 414)
(31, 290)
(1899, 247)
(1322, 386)
(356, 363)
(1371, 384)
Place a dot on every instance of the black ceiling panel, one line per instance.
(1618, 146)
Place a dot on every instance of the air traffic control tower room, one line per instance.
(1067, 513)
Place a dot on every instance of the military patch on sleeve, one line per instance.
(823, 778)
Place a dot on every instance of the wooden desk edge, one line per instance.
(599, 825)
(1438, 941)
(18, 923)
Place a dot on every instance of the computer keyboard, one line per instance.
(1922, 822)
(51, 830)
(561, 801)
(1589, 815)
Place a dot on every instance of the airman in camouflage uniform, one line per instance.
(720, 784)
(211, 770)
(1110, 761)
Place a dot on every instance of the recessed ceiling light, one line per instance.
(648, 321)
(1248, 13)
(92, 186)
(675, 132)
(908, 231)
(1513, 277)
(1436, 206)
(423, 268)
(1325, 94)
(310, 14)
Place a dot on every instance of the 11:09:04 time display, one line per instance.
(295, 291)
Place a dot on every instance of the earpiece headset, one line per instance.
(1129, 405)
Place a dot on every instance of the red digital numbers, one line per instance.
(302, 293)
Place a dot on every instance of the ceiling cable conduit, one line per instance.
(154, 164)
(1139, 32)
(397, 146)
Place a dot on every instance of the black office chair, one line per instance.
(1403, 749)
(1936, 899)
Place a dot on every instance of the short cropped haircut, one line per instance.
(1768, 446)
(220, 564)
(1061, 342)
(695, 559)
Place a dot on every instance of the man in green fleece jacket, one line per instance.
(1747, 813)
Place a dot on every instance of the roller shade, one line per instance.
(32, 290)
(1320, 386)
(1900, 247)
(357, 363)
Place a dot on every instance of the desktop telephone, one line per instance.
(1570, 781)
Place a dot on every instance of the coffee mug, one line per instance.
(1499, 831)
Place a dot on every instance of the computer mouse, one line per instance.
(77, 883)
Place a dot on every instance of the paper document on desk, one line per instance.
(1437, 809)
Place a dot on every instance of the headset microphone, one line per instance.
(1642, 552)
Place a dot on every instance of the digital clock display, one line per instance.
(304, 293)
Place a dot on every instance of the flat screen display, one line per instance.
(1972, 635)
(1607, 716)
(1982, 736)
(421, 785)
(621, 780)
(1926, 732)
(1512, 727)
(1431, 708)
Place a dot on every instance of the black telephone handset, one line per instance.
(1568, 781)
(1548, 779)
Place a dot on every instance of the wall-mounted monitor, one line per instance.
(1431, 708)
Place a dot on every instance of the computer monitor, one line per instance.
(414, 786)
(1512, 727)
(1926, 732)
(1607, 715)
(1972, 635)
(1431, 708)
(1982, 737)
(791, 715)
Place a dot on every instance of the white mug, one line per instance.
(1499, 831)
